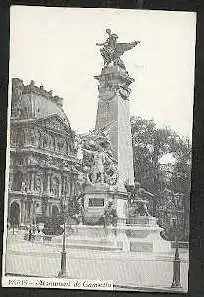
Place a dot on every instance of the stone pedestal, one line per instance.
(95, 200)
(145, 236)
(140, 238)
(90, 237)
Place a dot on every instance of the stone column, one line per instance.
(26, 211)
(50, 210)
(48, 182)
(60, 187)
(32, 212)
(32, 187)
(22, 211)
(11, 180)
(47, 211)
(41, 183)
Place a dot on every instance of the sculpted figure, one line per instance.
(112, 50)
(97, 168)
(55, 186)
(110, 215)
(138, 206)
(38, 184)
(112, 174)
(98, 160)
(23, 187)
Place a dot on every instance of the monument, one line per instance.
(115, 211)
(113, 120)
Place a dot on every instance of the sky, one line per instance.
(56, 47)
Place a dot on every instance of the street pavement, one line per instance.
(129, 271)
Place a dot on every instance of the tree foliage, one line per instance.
(150, 144)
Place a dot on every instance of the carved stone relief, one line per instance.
(55, 186)
(38, 183)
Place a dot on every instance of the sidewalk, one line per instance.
(16, 245)
(128, 270)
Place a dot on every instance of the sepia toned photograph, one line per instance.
(98, 173)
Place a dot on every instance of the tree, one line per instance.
(150, 144)
(52, 226)
(181, 179)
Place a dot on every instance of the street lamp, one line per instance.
(177, 261)
(63, 272)
(66, 214)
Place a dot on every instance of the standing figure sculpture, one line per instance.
(98, 160)
(112, 51)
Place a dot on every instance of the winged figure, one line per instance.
(112, 50)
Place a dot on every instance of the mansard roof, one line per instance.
(32, 102)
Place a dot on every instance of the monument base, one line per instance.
(90, 237)
(150, 241)
(121, 238)
(142, 235)
(97, 197)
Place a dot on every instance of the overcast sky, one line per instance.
(56, 47)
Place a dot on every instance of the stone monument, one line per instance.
(113, 107)
(116, 215)
(113, 126)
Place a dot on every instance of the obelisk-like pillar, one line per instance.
(113, 116)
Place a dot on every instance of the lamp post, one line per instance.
(63, 271)
(177, 261)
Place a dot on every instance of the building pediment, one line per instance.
(55, 123)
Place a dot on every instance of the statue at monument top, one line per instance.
(112, 50)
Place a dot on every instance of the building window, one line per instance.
(20, 137)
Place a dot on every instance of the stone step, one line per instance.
(90, 241)
(88, 246)
(93, 247)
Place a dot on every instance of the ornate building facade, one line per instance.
(43, 163)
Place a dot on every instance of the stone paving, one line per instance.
(127, 270)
